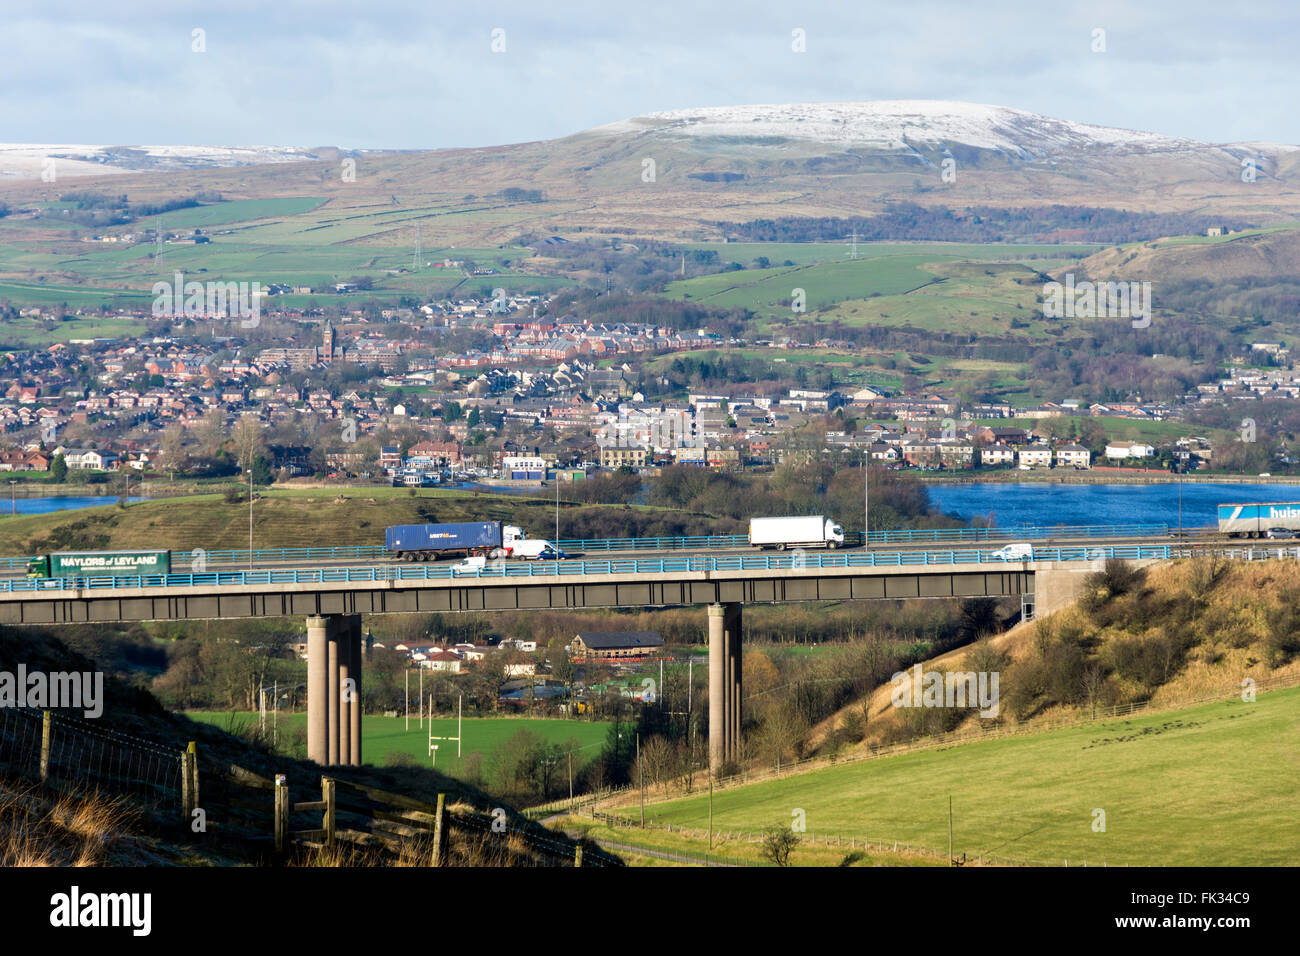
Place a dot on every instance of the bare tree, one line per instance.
(248, 441)
(778, 843)
(1093, 680)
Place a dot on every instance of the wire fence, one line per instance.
(74, 754)
(848, 842)
(71, 754)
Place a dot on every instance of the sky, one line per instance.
(425, 75)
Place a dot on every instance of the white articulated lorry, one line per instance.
(814, 531)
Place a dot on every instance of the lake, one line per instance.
(1032, 504)
(38, 506)
(1010, 504)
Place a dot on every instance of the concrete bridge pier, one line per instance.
(354, 671)
(725, 668)
(333, 719)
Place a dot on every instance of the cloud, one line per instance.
(412, 75)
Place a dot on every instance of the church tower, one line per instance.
(327, 347)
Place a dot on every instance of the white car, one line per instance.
(474, 563)
(1014, 552)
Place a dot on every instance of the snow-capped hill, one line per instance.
(30, 160)
(898, 125)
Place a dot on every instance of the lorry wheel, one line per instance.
(781, 546)
(830, 545)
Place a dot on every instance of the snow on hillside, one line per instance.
(894, 124)
(27, 160)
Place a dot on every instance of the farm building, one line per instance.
(612, 645)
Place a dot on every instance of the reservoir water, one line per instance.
(1009, 504)
(37, 506)
(1032, 504)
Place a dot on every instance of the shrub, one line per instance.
(1282, 641)
(778, 843)
(1116, 579)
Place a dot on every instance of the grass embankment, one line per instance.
(38, 828)
(1176, 634)
(295, 517)
(1211, 785)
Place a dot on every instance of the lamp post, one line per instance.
(13, 500)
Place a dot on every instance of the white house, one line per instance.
(87, 459)
(1034, 457)
(997, 454)
(1075, 455)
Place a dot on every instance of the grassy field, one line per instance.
(1127, 429)
(933, 286)
(285, 518)
(382, 736)
(28, 331)
(808, 253)
(1211, 785)
(735, 848)
(295, 240)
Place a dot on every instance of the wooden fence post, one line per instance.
(577, 856)
(327, 795)
(281, 812)
(438, 830)
(194, 774)
(187, 791)
(46, 718)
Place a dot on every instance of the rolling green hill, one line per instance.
(1210, 785)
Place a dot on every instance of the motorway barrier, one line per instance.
(240, 556)
(504, 569)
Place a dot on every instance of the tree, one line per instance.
(778, 842)
(1093, 680)
(262, 471)
(249, 441)
(473, 420)
(59, 469)
(172, 452)
(564, 670)
(211, 432)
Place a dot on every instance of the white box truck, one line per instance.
(814, 531)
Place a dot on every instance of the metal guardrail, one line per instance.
(693, 563)
(237, 556)
(654, 544)
(1028, 533)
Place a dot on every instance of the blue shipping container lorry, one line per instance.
(429, 542)
(1254, 520)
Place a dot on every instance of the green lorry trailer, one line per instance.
(99, 564)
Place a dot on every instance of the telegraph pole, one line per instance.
(866, 497)
(710, 809)
(1180, 506)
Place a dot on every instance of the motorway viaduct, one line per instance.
(332, 609)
